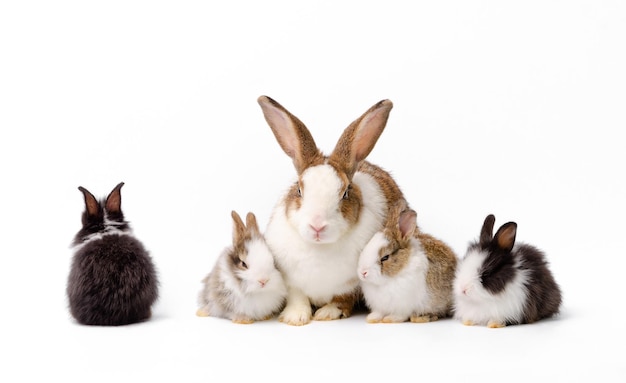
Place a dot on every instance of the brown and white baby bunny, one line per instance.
(500, 282)
(320, 225)
(244, 284)
(406, 274)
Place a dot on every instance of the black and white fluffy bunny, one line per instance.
(244, 284)
(500, 282)
(320, 225)
(112, 280)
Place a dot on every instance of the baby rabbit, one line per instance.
(406, 274)
(244, 284)
(112, 279)
(501, 283)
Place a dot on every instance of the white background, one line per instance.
(510, 108)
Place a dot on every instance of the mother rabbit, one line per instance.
(319, 227)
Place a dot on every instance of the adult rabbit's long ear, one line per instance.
(359, 138)
(292, 135)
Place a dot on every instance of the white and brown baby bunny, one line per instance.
(244, 284)
(406, 274)
(112, 280)
(500, 282)
(320, 225)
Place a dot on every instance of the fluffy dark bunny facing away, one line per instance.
(112, 279)
(500, 282)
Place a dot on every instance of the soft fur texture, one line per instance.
(501, 283)
(319, 227)
(244, 284)
(112, 280)
(406, 274)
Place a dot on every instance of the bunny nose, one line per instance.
(318, 228)
(364, 274)
(263, 282)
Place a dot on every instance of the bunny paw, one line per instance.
(243, 320)
(495, 324)
(423, 318)
(294, 317)
(468, 322)
(328, 312)
(374, 317)
(202, 312)
(394, 319)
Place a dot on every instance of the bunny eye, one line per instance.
(345, 193)
(385, 258)
(299, 192)
(243, 264)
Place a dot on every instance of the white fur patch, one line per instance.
(110, 228)
(321, 193)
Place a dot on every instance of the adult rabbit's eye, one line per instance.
(345, 193)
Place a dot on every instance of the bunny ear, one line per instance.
(393, 216)
(486, 233)
(252, 226)
(358, 139)
(505, 236)
(407, 223)
(292, 135)
(91, 204)
(239, 230)
(114, 200)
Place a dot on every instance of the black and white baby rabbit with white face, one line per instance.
(112, 279)
(244, 284)
(500, 282)
(320, 225)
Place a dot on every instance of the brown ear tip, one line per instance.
(386, 104)
(266, 100)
